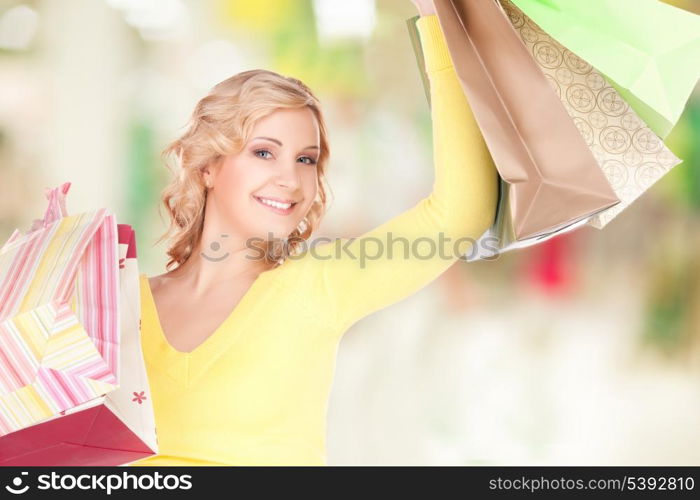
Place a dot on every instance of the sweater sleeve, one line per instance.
(358, 276)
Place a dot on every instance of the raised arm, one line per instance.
(462, 205)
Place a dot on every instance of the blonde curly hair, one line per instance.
(221, 124)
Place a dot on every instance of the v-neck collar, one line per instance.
(186, 367)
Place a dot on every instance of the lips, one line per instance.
(279, 200)
(277, 210)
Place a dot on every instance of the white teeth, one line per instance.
(276, 204)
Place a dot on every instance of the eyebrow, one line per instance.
(280, 143)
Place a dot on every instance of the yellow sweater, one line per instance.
(255, 392)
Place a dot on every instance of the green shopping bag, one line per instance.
(649, 51)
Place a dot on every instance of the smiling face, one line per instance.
(251, 191)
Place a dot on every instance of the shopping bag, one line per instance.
(554, 180)
(547, 179)
(59, 337)
(648, 50)
(630, 154)
(48, 358)
(500, 237)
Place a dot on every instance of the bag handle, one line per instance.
(56, 210)
(57, 203)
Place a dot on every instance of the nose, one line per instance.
(288, 176)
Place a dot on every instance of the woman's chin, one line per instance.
(275, 234)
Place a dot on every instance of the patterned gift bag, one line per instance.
(73, 386)
(648, 50)
(630, 154)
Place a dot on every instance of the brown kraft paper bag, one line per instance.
(551, 176)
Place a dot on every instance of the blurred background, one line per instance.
(583, 350)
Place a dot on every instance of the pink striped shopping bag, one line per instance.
(69, 307)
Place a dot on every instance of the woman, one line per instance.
(240, 338)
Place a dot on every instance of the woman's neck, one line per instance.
(202, 274)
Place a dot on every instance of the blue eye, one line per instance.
(311, 160)
(261, 151)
